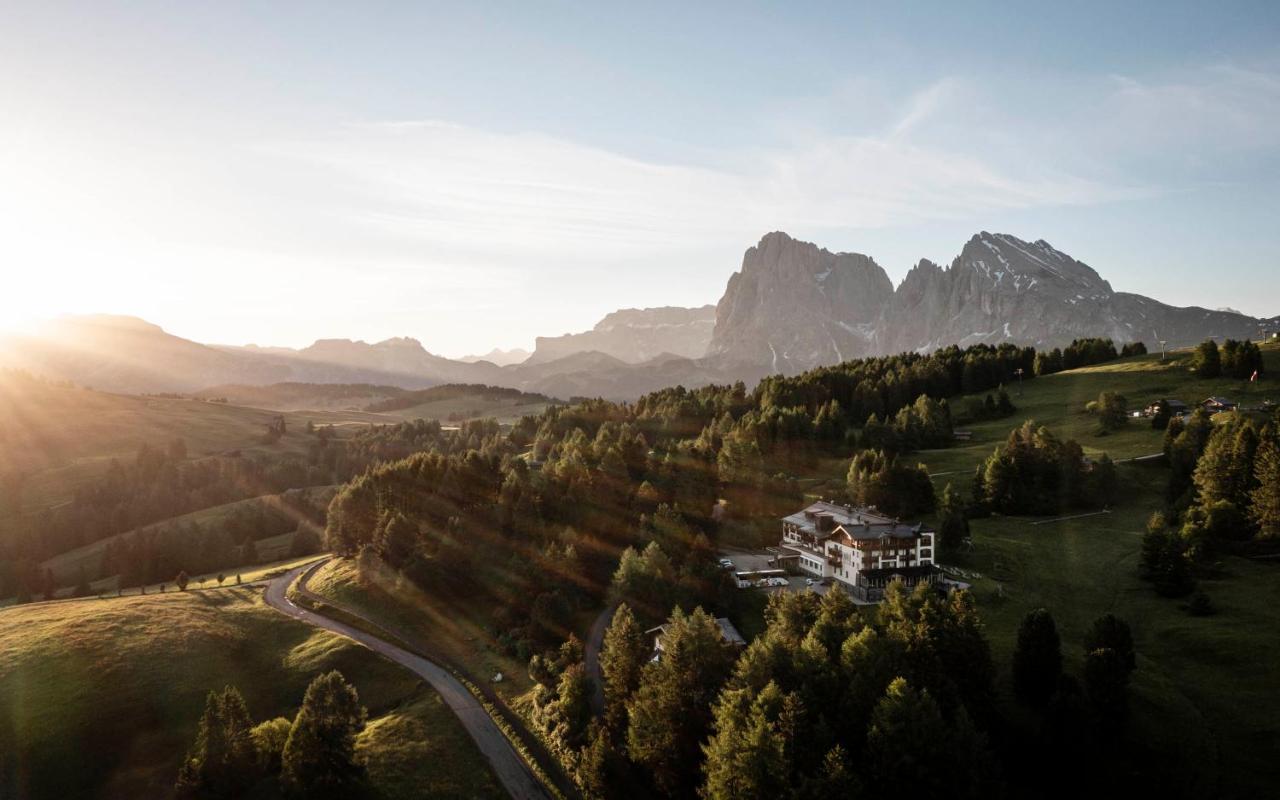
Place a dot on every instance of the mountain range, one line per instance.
(792, 306)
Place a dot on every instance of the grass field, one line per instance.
(66, 566)
(459, 409)
(1206, 694)
(114, 688)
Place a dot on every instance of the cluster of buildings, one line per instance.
(1177, 408)
(860, 549)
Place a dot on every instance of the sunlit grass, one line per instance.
(105, 695)
(457, 631)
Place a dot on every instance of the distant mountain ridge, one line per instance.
(499, 357)
(791, 307)
(636, 335)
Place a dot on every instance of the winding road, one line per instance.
(511, 770)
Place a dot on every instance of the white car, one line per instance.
(809, 581)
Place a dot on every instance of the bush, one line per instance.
(1111, 409)
(1207, 362)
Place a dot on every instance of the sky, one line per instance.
(477, 174)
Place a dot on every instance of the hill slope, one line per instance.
(116, 687)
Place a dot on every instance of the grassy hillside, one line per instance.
(1058, 401)
(116, 687)
(60, 437)
(67, 566)
(458, 403)
(304, 396)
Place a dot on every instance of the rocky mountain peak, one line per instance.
(1011, 264)
(793, 303)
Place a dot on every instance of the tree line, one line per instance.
(162, 483)
(1223, 494)
(834, 701)
(312, 755)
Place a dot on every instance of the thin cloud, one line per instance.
(470, 188)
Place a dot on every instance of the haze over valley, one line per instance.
(792, 306)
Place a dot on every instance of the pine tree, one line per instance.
(1110, 632)
(1207, 362)
(670, 713)
(953, 524)
(1037, 659)
(223, 760)
(834, 780)
(601, 768)
(747, 756)
(1106, 681)
(1265, 498)
(622, 657)
(319, 759)
(396, 539)
(907, 746)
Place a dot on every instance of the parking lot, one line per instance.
(758, 560)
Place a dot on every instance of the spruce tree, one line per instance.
(953, 524)
(223, 760)
(1207, 362)
(907, 743)
(1106, 681)
(319, 759)
(1265, 498)
(1110, 632)
(747, 756)
(1037, 659)
(670, 713)
(622, 657)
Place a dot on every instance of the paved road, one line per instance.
(591, 657)
(515, 776)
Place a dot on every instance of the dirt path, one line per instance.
(591, 657)
(511, 770)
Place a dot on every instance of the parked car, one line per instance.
(809, 581)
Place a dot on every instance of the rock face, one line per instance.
(793, 306)
(1000, 288)
(636, 335)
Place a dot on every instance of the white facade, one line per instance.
(859, 547)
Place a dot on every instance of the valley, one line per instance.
(1079, 568)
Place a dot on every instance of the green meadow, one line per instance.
(115, 688)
